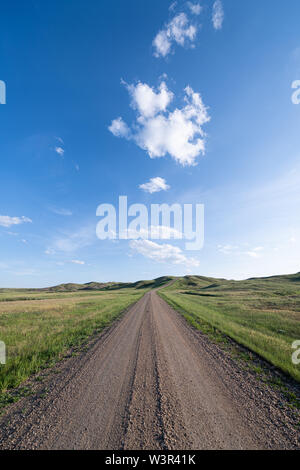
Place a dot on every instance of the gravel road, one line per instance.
(151, 382)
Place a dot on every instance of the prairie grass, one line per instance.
(38, 331)
(261, 314)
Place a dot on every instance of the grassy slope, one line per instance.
(262, 314)
(38, 331)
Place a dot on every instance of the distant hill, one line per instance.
(280, 282)
(72, 287)
(186, 282)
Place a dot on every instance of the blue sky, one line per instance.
(72, 68)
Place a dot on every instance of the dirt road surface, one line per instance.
(151, 382)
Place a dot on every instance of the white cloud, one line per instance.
(227, 249)
(77, 261)
(60, 151)
(255, 252)
(72, 242)
(162, 44)
(159, 131)
(163, 253)
(179, 31)
(218, 14)
(14, 234)
(195, 8)
(237, 250)
(155, 185)
(61, 211)
(119, 128)
(7, 221)
(146, 101)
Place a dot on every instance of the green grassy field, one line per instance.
(38, 327)
(261, 314)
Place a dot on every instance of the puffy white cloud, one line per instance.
(77, 261)
(218, 14)
(155, 185)
(163, 253)
(7, 221)
(119, 128)
(162, 44)
(146, 101)
(159, 131)
(179, 31)
(195, 8)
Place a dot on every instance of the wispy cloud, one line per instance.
(60, 211)
(218, 14)
(160, 131)
(195, 8)
(60, 151)
(227, 249)
(7, 221)
(163, 253)
(155, 185)
(255, 252)
(173, 6)
(77, 261)
(72, 242)
(178, 31)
